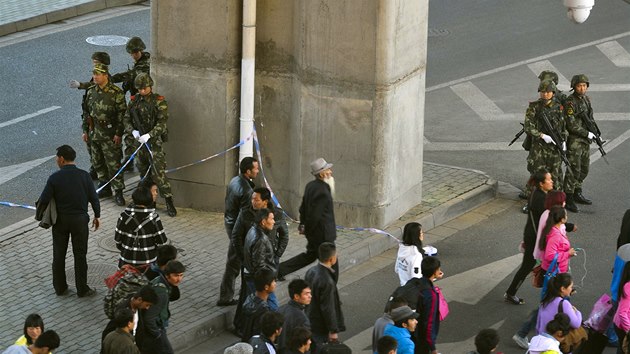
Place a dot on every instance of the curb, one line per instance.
(353, 256)
(62, 14)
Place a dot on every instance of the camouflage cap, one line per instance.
(578, 79)
(135, 44)
(143, 80)
(547, 86)
(548, 75)
(101, 57)
(100, 68)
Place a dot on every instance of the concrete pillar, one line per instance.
(339, 79)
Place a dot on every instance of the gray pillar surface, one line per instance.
(343, 80)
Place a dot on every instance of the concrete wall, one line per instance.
(339, 79)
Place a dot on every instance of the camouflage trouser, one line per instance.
(88, 145)
(143, 161)
(106, 162)
(580, 159)
(546, 158)
(130, 145)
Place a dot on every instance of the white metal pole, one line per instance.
(247, 77)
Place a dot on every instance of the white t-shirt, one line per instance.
(408, 263)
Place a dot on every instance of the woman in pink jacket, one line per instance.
(552, 199)
(622, 316)
(556, 241)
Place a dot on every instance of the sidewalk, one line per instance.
(200, 237)
(20, 15)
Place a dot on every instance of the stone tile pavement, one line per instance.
(19, 15)
(27, 255)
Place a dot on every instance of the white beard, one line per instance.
(330, 181)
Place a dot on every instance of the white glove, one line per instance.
(548, 139)
(144, 138)
(136, 134)
(564, 146)
(591, 136)
(74, 84)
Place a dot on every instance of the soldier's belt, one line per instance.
(104, 123)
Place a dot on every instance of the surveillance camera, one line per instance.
(578, 10)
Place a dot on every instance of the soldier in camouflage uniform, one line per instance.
(145, 120)
(141, 59)
(578, 108)
(97, 57)
(544, 154)
(103, 126)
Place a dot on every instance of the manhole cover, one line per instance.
(107, 41)
(97, 272)
(109, 244)
(437, 32)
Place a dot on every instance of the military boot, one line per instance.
(570, 204)
(118, 198)
(105, 192)
(93, 174)
(170, 207)
(580, 198)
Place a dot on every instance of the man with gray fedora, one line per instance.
(317, 218)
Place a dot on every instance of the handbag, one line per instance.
(601, 314)
(442, 304)
(538, 276)
(575, 337)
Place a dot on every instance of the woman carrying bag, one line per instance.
(555, 301)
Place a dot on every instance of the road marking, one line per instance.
(528, 61)
(28, 116)
(539, 66)
(608, 147)
(8, 173)
(616, 53)
(609, 87)
(465, 345)
(473, 285)
(476, 100)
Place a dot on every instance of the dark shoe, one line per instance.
(570, 204)
(93, 174)
(281, 278)
(525, 209)
(119, 199)
(523, 195)
(91, 292)
(63, 293)
(580, 198)
(513, 299)
(105, 192)
(227, 303)
(170, 207)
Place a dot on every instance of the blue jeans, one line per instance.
(528, 324)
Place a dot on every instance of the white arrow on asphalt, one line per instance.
(472, 285)
(463, 346)
(8, 173)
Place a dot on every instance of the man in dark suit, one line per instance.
(72, 189)
(317, 217)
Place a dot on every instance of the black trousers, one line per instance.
(526, 267)
(75, 228)
(232, 270)
(303, 259)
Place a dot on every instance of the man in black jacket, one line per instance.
(294, 311)
(72, 189)
(325, 309)
(317, 217)
(237, 198)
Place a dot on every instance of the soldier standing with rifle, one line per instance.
(145, 120)
(582, 131)
(544, 123)
(141, 64)
(97, 57)
(103, 127)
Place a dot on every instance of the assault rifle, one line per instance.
(518, 135)
(592, 127)
(136, 121)
(557, 140)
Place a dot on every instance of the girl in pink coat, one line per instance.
(556, 241)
